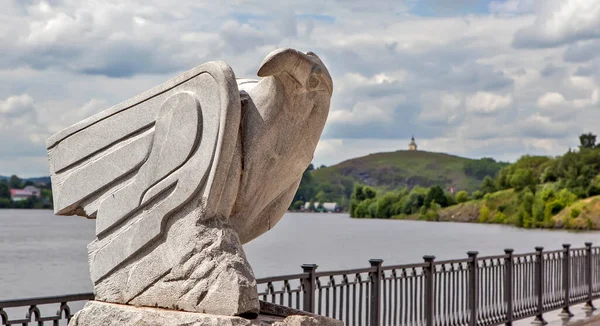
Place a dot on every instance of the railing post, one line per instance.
(429, 272)
(566, 311)
(375, 300)
(589, 305)
(309, 284)
(508, 285)
(473, 287)
(539, 285)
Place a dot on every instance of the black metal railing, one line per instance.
(35, 309)
(474, 291)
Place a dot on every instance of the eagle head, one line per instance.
(282, 119)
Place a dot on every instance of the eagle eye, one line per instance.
(313, 82)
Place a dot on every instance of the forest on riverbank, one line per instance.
(534, 192)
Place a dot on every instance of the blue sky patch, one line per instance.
(444, 8)
(318, 17)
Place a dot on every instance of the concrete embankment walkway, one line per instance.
(581, 317)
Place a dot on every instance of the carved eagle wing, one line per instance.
(134, 164)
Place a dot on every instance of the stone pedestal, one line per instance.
(96, 313)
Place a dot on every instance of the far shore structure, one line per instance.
(412, 146)
(178, 178)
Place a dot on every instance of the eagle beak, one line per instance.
(296, 64)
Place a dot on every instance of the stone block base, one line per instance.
(96, 313)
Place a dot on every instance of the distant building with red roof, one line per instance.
(34, 190)
(22, 194)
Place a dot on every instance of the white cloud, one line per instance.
(76, 114)
(16, 107)
(353, 81)
(336, 150)
(456, 82)
(360, 114)
(444, 108)
(543, 127)
(551, 99)
(592, 100)
(561, 22)
(21, 133)
(584, 83)
(513, 6)
(486, 102)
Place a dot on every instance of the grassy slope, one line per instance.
(394, 170)
(506, 200)
(589, 216)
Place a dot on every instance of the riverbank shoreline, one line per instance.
(505, 208)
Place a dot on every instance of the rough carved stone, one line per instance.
(109, 314)
(179, 177)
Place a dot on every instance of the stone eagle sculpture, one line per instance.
(178, 177)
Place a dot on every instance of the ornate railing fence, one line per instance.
(475, 291)
(36, 309)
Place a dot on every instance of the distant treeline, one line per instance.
(311, 191)
(14, 182)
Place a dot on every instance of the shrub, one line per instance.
(500, 218)
(522, 178)
(552, 208)
(373, 209)
(4, 202)
(484, 213)
(436, 193)
(353, 205)
(396, 208)
(414, 201)
(594, 187)
(575, 212)
(537, 211)
(524, 219)
(431, 215)
(298, 204)
(462, 197)
(27, 203)
(488, 185)
(369, 192)
(384, 205)
(362, 210)
(357, 193)
(566, 197)
(547, 194)
(477, 195)
(451, 200)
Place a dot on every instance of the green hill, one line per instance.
(534, 192)
(394, 171)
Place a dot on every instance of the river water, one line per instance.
(44, 255)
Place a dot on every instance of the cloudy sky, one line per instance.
(470, 77)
